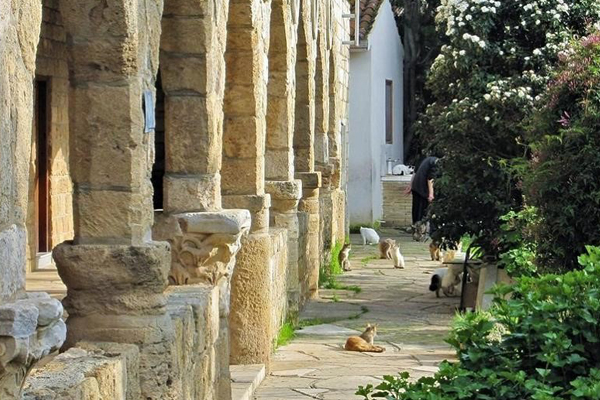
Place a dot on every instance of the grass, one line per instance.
(355, 228)
(320, 321)
(334, 284)
(335, 298)
(366, 260)
(286, 334)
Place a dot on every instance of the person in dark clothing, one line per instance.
(421, 188)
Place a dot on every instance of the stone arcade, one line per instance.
(245, 169)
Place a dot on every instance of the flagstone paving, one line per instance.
(412, 324)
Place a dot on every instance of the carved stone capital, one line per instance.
(202, 244)
(30, 329)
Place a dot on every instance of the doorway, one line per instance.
(42, 170)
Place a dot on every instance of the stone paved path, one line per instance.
(412, 324)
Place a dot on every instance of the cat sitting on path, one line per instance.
(369, 236)
(385, 248)
(344, 257)
(364, 342)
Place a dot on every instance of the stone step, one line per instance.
(245, 379)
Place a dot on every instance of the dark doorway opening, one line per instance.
(158, 169)
(42, 181)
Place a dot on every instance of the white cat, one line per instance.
(397, 257)
(402, 169)
(369, 236)
(448, 280)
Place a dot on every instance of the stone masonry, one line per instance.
(252, 96)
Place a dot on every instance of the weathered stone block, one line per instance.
(185, 35)
(18, 319)
(184, 73)
(191, 193)
(310, 180)
(241, 177)
(111, 279)
(291, 190)
(78, 374)
(190, 148)
(12, 254)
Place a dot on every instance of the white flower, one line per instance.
(487, 119)
(537, 52)
(462, 52)
(487, 96)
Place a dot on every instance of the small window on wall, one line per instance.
(389, 112)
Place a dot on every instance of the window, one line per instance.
(389, 112)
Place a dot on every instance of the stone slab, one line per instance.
(245, 379)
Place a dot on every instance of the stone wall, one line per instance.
(397, 206)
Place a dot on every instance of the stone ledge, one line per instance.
(247, 202)
(310, 180)
(245, 379)
(79, 374)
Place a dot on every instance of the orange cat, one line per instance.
(364, 342)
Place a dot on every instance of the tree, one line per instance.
(486, 81)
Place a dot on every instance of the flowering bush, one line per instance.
(564, 182)
(542, 344)
(486, 81)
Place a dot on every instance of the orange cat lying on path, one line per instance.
(364, 342)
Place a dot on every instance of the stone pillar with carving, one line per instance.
(30, 323)
(204, 238)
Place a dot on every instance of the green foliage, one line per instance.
(541, 343)
(367, 259)
(286, 334)
(517, 241)
(486, 81)
(355, 228)
(564, 178)
(329, 271)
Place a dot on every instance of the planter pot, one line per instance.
(489, 276)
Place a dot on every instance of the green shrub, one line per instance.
(496, 61)
(517, 242)
(564, 180)
(543, 343)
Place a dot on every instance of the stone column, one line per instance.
(30, 324)
(192, 68)
(204, 239)
(338, 117)
(322, 139)
(243, 178)
(304, 142)
(115, 274)
(285, 191)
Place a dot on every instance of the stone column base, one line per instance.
(285, 196)
(115, 293)
(258, 297)
(311, 182)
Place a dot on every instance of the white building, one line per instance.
(376, 103)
